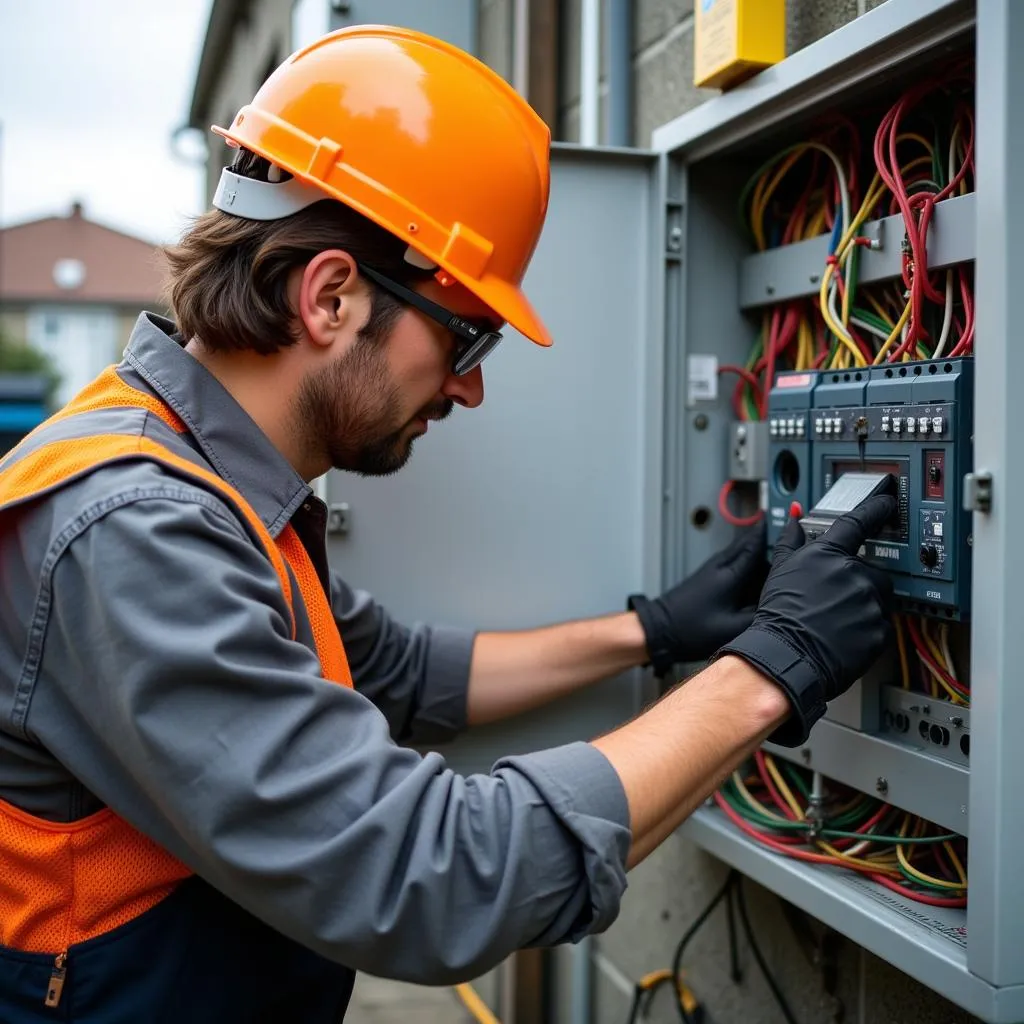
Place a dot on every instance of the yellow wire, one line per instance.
(914, 137)
(787, 793)
(761, 201)
(897, 329)
(933, 647)
(843, 249)
(934, 651)
(914, 872)
(476, 1006)
(937, 681)
(951, 853)
(753, 801)
(882, 312)
(902, 645)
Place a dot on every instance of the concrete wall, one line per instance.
(669, 890)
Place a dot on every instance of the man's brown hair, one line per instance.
(228, 276)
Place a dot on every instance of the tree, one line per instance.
(18, 357)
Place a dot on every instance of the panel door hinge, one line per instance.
(978, 491)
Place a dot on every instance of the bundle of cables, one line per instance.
(797, 814)
(923, 153)
(936, 673)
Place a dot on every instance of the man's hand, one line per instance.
(823, 617)
(709, 608)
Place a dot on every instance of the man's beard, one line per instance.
(351, 408)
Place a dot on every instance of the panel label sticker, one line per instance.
(702, 379)
(934, 919)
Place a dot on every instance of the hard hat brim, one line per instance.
(512, 305)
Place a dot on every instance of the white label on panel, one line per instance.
(702, 379)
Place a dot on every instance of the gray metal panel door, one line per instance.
(451, 20)
(535, 507)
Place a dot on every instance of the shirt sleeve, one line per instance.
(418, 677)
(170, 686)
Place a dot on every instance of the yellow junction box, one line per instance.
(733, 39)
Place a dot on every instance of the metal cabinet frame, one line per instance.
(974, 957)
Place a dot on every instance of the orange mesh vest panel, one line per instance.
(63, 883)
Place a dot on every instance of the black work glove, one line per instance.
(823, 617)
(694, 618)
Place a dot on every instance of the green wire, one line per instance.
(752, 181)
(832, 833)
(927, 885)
(741, 807)
(860, 813)
(797, 780)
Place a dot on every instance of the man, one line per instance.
(207, 815)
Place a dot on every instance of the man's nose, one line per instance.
(467, 390)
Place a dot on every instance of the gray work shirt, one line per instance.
(146, 664)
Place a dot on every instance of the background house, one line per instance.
(72, 289)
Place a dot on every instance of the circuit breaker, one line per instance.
(913, 420)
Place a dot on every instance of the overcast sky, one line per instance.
(90, 92)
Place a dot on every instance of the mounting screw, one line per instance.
(806, 755)
(956, 720)
(926, 709)
(769, 289)
(882, 785)
(338, 517)
(700, 422)
(341, 6)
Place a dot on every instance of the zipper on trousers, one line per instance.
(56, 986)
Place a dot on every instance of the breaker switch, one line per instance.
(934, 476)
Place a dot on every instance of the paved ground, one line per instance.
(389, 1002)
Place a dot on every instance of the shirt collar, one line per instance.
(229, 438)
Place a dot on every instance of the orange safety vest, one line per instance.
(65, 883)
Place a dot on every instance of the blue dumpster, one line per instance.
(22, 406)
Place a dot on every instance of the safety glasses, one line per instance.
(473, 344)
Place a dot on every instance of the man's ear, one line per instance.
(326, 294)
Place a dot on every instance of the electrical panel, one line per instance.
(836, 245)
(913, 420)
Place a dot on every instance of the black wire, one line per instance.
(734, 953)
(677, 959)
(634, 1010)
(755, 949)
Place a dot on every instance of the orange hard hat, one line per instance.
(424, 140)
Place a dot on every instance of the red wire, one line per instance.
(920, 897)
(762, 769)
(820, 858)
(926, 655)
(730, 517)
(750, 379)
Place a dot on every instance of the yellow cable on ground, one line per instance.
(476, 1006)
